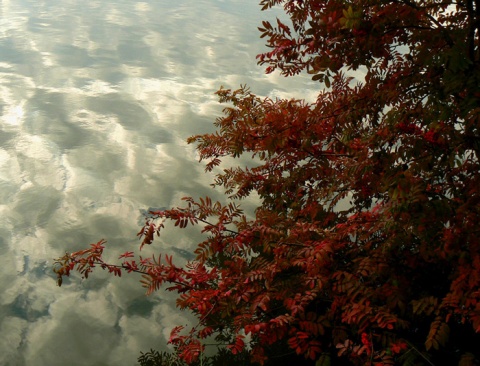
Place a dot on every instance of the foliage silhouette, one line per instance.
(364, 249)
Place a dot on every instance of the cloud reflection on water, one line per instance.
(96, 101)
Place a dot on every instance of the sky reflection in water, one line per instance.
(96, 101)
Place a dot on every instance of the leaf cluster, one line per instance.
(364, 249)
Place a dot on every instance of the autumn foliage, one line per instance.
(365, 246)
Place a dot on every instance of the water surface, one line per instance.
(96, 101)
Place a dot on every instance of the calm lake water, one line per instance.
(96, 101)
